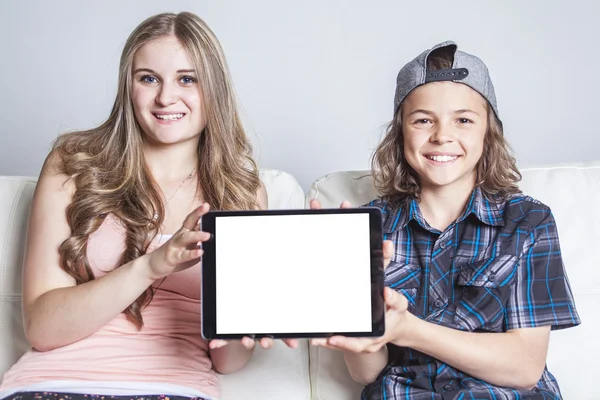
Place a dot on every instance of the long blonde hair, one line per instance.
(496, 172)
(108, 167)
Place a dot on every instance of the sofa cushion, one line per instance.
(15, 196)
(573, 193)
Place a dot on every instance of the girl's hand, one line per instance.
(248, 343)
(182, 250)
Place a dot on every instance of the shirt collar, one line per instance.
(485, 210)
(478, 205)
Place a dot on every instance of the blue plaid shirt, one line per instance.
(497, 267)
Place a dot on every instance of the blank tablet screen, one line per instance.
(293, 273)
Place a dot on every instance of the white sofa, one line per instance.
(572, 191)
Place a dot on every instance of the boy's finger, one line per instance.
(345, 204)
(315, 204)
(388, 252)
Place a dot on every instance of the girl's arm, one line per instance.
(56, 311)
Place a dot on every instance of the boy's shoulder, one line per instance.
(522, 208)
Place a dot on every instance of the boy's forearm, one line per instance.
(365, 367)
(502, 359)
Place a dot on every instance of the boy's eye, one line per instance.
(423, 121)
(188, 80)
(148, 79)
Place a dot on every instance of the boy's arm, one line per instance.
(364, 368)
(515, 358)
(512, 359)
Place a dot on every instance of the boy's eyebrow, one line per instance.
(179, 71)
(464, 111)
(421, 111)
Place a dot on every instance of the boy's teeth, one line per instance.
(170, 117)
(443, 158)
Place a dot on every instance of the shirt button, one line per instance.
(443, 245)
(448, 387)
(492, 277)
(438, 303)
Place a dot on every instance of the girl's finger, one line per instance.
(217, 343)
(185, 237)
(266, 343)
(191, 221)
(189, 255)
(247, 342)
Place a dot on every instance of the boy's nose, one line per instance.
(442, 134)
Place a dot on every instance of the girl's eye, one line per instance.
(465, 121)
(148, 79)
(188, 80)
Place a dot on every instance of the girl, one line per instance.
(474, 271)
(111, 290)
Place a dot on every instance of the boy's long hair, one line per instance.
(108, 167)
(497, 172)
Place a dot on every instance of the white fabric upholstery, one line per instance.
(573, 193)
(15, 198)
(279, 372)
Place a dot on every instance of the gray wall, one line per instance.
(315, 78)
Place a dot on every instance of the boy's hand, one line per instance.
(396, 312)
(395, 321)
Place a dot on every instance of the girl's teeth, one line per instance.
(443, 158)
(169, 117)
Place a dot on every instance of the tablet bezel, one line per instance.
(208, 285)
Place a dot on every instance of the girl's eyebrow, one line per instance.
(143, 70)
(179, 71)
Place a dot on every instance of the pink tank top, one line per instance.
(168, 349)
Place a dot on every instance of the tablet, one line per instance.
(293, 274)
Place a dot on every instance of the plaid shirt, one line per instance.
(497, 267)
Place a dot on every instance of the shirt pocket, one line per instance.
(405, 279)
(484, 286)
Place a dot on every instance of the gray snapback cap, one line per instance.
(466, 69)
